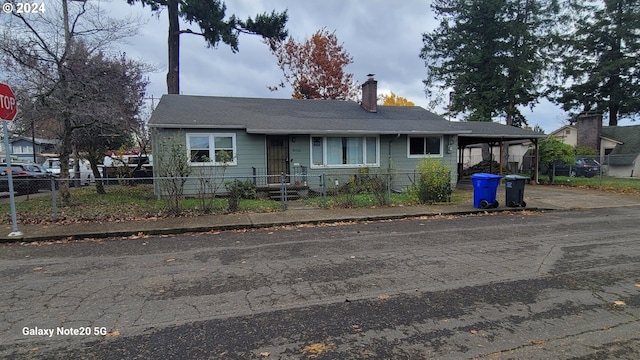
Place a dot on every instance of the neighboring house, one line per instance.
(23, 147)
(568, 134)
(621, 150)
(618, 146)
(284, 136)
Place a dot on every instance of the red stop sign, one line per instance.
(8, 105)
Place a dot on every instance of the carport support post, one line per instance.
(536, 165)
(501, 144)
(7, 151)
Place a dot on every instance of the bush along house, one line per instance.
(268, 140)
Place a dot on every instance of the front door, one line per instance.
(277, 157)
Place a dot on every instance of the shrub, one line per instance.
(433, 183)
(172, 166)
(363, 183)
(237, 190)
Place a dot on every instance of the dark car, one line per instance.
(27, 178)
(584, 166)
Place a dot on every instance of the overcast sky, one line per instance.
(384, 37)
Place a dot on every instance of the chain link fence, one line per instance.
(150, 196)
(610, 165)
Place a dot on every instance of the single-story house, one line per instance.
(271, 137)
(618, 146)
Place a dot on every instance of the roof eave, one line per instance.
(190, 126)
(504, 136)
(354, 132)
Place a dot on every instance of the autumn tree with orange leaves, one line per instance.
(394, 100)
(315, 68)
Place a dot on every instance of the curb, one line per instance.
(251, 225)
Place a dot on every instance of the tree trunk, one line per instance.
(93, 162)
(613, 115)
(65, 151)
(486, 153)
(173, 74)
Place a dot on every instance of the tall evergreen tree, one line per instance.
(490, 53)
(599, 60)
(209, 16)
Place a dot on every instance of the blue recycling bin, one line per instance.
(485, 187)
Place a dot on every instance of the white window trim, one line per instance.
(212, 149)
(412, 156)
(343, 166)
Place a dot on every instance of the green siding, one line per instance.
(251, 152)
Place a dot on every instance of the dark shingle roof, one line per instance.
(628, 151)
(277, 116)
(264, 116)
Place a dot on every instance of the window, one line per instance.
(211, 149)
(22, 149)
(344, 151)
(421, 146)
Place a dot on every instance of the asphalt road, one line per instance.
(560, 285)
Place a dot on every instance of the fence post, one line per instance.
(388, 189)
(283, 192)
(323, 186)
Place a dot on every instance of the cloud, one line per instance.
(383, 37)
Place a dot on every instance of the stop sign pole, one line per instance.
(8, 111)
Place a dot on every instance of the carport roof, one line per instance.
(491, 132)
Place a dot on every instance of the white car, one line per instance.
(52, 166)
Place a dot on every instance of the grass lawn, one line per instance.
(623, 185)
(119, 204)
(122, 203)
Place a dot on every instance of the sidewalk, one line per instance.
(537, 197)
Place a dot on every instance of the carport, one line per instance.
(495, 134)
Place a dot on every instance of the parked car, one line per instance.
(27, 178)
(52, 166)
(583, 166)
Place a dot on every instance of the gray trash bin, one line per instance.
(514, 185)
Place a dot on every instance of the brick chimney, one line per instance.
(370, 95)
(589, 127)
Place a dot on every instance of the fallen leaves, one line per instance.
(619, 303)
(140, 235)
(317, 349)
(113, 333)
